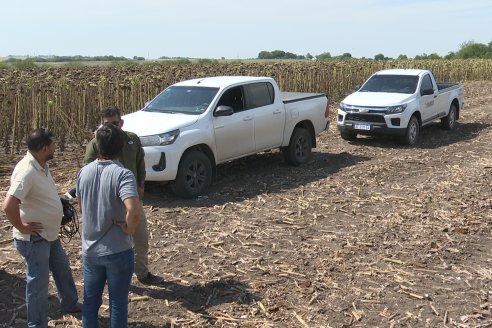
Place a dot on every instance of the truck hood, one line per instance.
(377, 99)
(144, 123)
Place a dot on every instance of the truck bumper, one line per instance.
(374, 129)
(371, 124)
(161, 163)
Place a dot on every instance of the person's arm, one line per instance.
(140, 169)
(129, 226)
(90, 151)
(11, 207)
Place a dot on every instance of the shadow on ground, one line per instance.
(249, 177)
(198, 298)
(431, 137)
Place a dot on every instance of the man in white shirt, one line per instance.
(34, 208)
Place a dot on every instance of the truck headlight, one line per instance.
(160, 139)
(396, 109)
(343, 107)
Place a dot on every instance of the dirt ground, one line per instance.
(367, 234)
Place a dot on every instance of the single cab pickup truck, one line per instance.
(399, 102)
(192, 126)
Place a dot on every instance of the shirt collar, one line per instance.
(36, 164)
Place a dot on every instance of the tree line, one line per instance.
(469, 49)
(78, 58)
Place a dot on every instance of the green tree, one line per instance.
(450, 55)
(379, 57)
(276, 54)
(324, 56)
(470, 49)
(433, 56)
(402, 57)
(264, 55)
(345, 55)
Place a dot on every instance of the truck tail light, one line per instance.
(327, 110)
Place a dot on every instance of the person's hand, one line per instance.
(31, 228)
(122, 225)
(140, 191)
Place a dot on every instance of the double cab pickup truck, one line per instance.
(192, 126)
(399, 102)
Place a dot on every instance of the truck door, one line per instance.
(234, 134)
(269, 116)
(427, 102)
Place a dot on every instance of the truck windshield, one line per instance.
(182, 99)
(391, 84)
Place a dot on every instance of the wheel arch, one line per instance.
(456, 104)
(418, 116)
(308, 125)
(204, 148)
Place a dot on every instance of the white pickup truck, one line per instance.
(399, 102)
(192, 126)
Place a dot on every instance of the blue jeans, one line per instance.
(41, 257)
(117, 270)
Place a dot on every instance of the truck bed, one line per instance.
(288, 97)
(442, 86)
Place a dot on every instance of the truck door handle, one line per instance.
(248, 118)
(278, 111)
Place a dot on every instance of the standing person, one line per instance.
(110, 214)
(34, 208)
(132, 158)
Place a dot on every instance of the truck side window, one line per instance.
(233, 98)
(426, 83)
(259, 94)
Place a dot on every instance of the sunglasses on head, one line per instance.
(46, 136)
(115, 123)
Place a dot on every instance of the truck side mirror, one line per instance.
(427, 92)
(223, 110)
(357, 87)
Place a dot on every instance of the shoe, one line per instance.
(151, 279)
(76, 309)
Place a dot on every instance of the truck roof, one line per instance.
(221, 81)
(402, 71)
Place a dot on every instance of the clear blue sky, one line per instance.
(241, 29)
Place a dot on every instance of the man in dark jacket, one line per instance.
(132, 158)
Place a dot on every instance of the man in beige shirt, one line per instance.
(34, 208)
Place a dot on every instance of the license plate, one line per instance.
(366, 127)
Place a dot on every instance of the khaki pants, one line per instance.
(141, 246)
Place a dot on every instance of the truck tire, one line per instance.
(449, 122)
(194, 175)
(299, 149)
(349, 136)
(413, 130)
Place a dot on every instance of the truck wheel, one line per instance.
(194, 175)
(449, 122)
(413, 130)
(299, 149)
(349, 136)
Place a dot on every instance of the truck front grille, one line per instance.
(369, 118)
